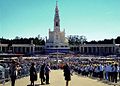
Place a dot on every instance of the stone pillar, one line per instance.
(30, 49)
(33, 49)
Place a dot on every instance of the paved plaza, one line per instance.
(57, 79)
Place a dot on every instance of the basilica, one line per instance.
(57, 41)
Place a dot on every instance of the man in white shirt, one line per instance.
(101, 71)
(109, 70)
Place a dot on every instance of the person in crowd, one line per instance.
(33, 74)
(42, 74)
(106, 71)
(13, 72)
(115, 73)
(119, 70)
(86, 71)
(2, 70)
(67, 73)
(97, 71)
(90, 70)
(47, 71)
(101, 71)
(109, 67)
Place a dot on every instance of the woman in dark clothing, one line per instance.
(67, 74)
(115, 73)
(33, 74)
(12, 72)
(42, 74)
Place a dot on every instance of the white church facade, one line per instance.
(57, 41)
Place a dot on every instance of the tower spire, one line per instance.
(56, 18)
(56, 3)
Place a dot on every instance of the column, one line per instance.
(30, 49)
(33, 47)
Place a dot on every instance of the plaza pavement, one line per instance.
(57, 79)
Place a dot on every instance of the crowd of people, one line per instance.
(103, 69)
(109, 71)
(97, 68)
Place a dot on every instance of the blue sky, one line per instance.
(95, 19)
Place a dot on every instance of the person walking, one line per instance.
(13, 72)
(42, 74)
(47, 71)
(101, 71)
(33, 74)
(67, 73)
(115, 73)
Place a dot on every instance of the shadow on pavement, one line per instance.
(34, 85)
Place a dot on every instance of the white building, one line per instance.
(27, 49)
(57, 41)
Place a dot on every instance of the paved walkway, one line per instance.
(57, 79)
